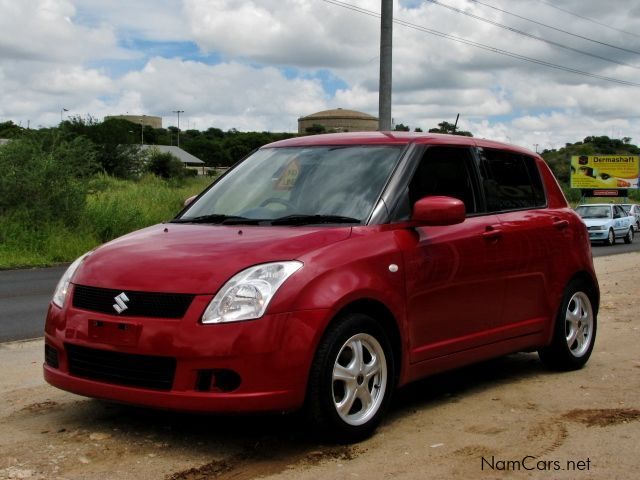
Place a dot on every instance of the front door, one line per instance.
(454, 289)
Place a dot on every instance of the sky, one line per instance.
(259, 65)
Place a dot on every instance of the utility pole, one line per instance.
(178, 112)
(455, 125)
(386, 41)
(142, 131)
(536, 145)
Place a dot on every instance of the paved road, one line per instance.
(24, 298)
(25, 294)
(600, 250)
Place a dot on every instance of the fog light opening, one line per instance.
(51, 356)
(217, 380)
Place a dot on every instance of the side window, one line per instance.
(619, 212)
(510, 181)
(445, 171)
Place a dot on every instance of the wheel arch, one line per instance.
(379, 312)
(593, 291)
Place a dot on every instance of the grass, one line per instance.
(114, 207)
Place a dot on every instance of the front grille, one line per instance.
(140, 304)
(142, 371)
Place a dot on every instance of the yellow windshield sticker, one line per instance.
(289, 175)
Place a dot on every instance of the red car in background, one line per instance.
(324, 272)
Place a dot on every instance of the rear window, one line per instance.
(511, 181)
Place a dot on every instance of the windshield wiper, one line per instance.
(216, 218)
(312, 219)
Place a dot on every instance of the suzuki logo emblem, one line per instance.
(120, 305)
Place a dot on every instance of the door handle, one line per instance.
(492, 233)
(560, 224)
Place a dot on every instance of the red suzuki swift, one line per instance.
(322, 273)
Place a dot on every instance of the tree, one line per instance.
(44, 176)
(315, 129)
(10, 130)
(116, 141)
(449, 128)
(165, 165)
(401, 127)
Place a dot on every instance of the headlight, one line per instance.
(247, 295)
(600, 227)
(62, 288)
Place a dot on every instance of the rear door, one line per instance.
(533, 237)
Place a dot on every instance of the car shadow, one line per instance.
(443, 387)
(251, 445)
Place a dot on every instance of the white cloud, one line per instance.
(229, 95)
(100, 57)
(43, 30)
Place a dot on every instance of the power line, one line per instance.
(556, 28)
(529, 35)
(489, 48)
(588, 19)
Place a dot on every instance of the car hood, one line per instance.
(197, 259)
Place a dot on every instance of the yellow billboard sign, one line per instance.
(605, 171)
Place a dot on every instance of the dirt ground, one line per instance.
(507, 418)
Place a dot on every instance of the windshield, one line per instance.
(299, 186)
(594, 212)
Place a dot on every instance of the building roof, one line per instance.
(339, 113)
(184, 157)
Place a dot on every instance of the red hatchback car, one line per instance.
(322, 273)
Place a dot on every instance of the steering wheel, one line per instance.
(281, 201)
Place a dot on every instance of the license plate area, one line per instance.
(114, 333)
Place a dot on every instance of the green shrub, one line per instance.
(113, 207)
(165, 165)
(44, 176)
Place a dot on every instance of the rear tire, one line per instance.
(574, 332)
(351, 380)
(629, 236)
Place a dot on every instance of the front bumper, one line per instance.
(271, 356)
(598, 235)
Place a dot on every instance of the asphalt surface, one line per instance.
(24, 299)
(25, 294)
(600, 250)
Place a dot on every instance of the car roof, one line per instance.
(394, 138)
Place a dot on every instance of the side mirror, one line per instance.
(189, 200)
(438, 211)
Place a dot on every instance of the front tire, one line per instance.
(611, 238)
(574, 332)
(629, 236)
(351, 379)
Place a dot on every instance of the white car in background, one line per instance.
(607, 222)
(633, 209)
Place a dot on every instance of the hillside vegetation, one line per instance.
(67, 189)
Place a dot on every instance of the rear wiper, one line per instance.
(312, 219)
(216, 218)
